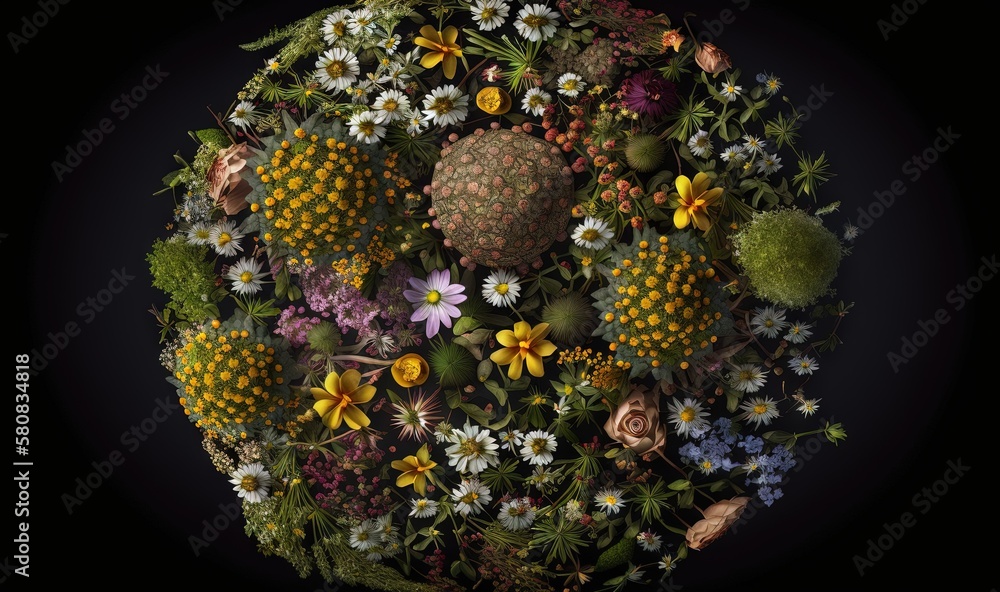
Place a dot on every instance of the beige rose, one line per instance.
(636, 422)
(718, 518)
(225, 182)
(712, 59)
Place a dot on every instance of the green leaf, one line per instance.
(680, 485)
(172, 179)
(453, 398)
(657, 181)
(549, 285)
(828, 209)
(686, 499)
(212, 136)
(476, 414)
(465, 325)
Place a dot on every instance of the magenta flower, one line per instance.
(649, 93)
(435, 299)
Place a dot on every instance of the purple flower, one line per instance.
(435, 299)
(649, 93)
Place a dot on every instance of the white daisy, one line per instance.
(798, 333)
(337, 69)
(753, 144)
(246, 275)
(390, 43)
(473, 450)
(361, 21)
(388, 533)
(536, 22)
(688, 416)
(272, 66)
(335, 26)
(768, 163)
(511, 440)
(416, 122)
(538, 447)
(423, 508)
(610, 500)
(443, 432)
(251, 481)
(562, 407)
(225, 239)
(734, 153)
(768, 321)
(501, 288)
(490, 14)
(392, 104)
(516, 514)
(772, 84)
(648, 540)
(199, 233)
(851, 232)
(470, 497)
(364, 536)
(700, 144)
(747, 378)
(244, 115)
(803, 365)
(808, 406)
(592, 233)
(535, 101)
(731, 91)
(359, 91)
(366, 127)
(759, 411)
(446, 105)
(570, 84)
(397, 72)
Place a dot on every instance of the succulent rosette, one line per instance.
(519, 296)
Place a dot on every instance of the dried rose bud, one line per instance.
(712, 59)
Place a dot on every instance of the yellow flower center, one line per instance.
(336, 69)
(225, 238)
(410, 368)
(538, 445)
(589, 234)
(488, 13)
(470, 497)
(443, 105)
(611, 500)
(433, 297)
(246, 276)
(535, 21)
(501, 289)
(249, 483)
(687, 415)
(760, 409)
(471, 448)
(390, 105)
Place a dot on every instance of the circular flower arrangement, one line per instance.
(505, 293)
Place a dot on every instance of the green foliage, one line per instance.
(617, 554)
(181, 270)
(789, 256)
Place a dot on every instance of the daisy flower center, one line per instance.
(246, 276)
(590, 234)
(336, 69)
(745, 375)
(225, 238)
(443, 105)
(471, 448)
(470, 497)
(433, 297)
(533, 20)
(249, 483)
(501, 289)
(687, 415)
(569, 84)
(611, 500)
(390, 105)
(538, 445)
(366, 127)
(760, 409)
(488, 13)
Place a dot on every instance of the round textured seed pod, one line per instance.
(502, 197)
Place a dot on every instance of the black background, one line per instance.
(62, 241)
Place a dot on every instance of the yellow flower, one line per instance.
(693, 199)
(414, 469)
(523, 344)
(410, 370)
(337, 401)
(442, 48)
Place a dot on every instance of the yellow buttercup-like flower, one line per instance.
(693, 198)
(410, 370)
(415, 468)
(337, 401)
(442, 46)
(523, 345)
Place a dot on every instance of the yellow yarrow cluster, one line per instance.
(324, 196)
(601, 370)
(361, 264)
(658, 308)
(231, 382)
